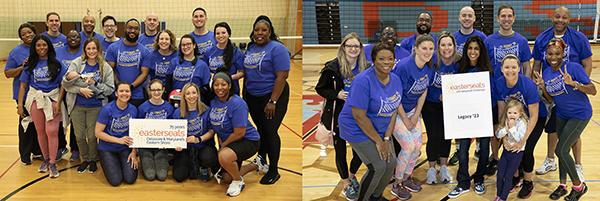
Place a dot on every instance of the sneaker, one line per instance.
(61, 152)
(516, 183)
(479, 188)
(219, 175)
(354, 183)
(262, 164)
(83, 166)
(54, 171)
(74, 156)
(445, 176)
(350, 193)
(457, 191)
(431, 176)
(92, 167)
(559, 192)
(411, 185)
(549, 165)
(575, 195)
(44, 167)
(526, 189)
(492, 167)
(26, 163)
(37, 157)
(204, 174)
(579, 169)
(270, 178)
(400, 192)
(323, 151)
(235, 188)
(454, 159)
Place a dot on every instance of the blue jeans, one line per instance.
(508, 164)
(116, 168)
(464, 180)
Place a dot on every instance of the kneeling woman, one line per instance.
(118, 161)
(201, 153)
(238, 139)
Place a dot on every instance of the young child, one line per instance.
(81, 82)
(512, 131)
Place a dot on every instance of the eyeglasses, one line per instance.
(156, 90)
(110, 26)
(187, 44)
(352, 46)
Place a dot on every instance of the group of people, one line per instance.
(376, 94)
(97, 83)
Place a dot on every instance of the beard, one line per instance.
(133, 40)
(425, 31)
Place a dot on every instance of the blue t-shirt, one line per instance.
(105, 44)
(434, 91)
(64, 56)
(147, 110)
(128, 63)
(570, 104)
(147, 41)
(524, 90)
(197, 125)
(233, 113)
(98, 36)
(499, 46)
(409, 42)
(185, 72)
(117, 124)
(16, 57)
(348, 81)
(461, 39)
(379, 100)
(214, 59)
(204, 42)
(40, 77)
(399, 53)
(578, 46)
(159, 66)
(415, 81)
(58, 41)
(92, 101)
(261, 63)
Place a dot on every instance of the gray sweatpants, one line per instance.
(379, 172)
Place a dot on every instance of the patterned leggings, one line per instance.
(410, 141)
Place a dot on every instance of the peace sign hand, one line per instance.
(537, 78)
(567, 77)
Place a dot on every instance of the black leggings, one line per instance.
(528, 160)
(270, 143)
(437, 145)
(28, 143)
(340, 156)
(187, 162)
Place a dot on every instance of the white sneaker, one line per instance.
(432, 176)
(235, 188)
(579, 169)
(323, 151)
(445, 176)
(262, 164)
(549, 165)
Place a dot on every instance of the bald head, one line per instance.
(151, 23)
(466, 18)
(561, 19)
(563, 10)
(388, 35)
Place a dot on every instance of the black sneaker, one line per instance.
(61, 152)
(575, 195)
(559, 192)
(83, 167)
(270, 178)
(92, 168)
(492, 167)
(526, 189)
(516, 183)
(454, 159)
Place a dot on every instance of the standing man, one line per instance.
(87, 29)
(53, 24)
(204, 38)
(109, 27)
(151, 28)
(467, 18)
(388, 35)
(424, 21)
(126, 58)
(578, 50)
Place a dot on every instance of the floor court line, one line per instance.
(9, 167)
(454, 182)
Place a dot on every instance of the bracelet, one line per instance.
(577, 84)
(274, 102)
(199, 140)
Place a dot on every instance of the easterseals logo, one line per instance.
(465, 87)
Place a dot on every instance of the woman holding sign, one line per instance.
(89, 81)
(514, 84)
(414, 73)
(155, 162)
(438, 148)
(367, 121)
(567, 85)
(238, 139)
(119, 162)
(201, 154)
(474, 59)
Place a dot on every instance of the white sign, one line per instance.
(467, 105)
(158, 133)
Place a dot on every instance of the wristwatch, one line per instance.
(577, 84)
(386, 138)
(273, 101)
